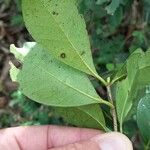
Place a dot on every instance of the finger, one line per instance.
(83, 145)
(109, 141)
(59, 136)
(44, 137)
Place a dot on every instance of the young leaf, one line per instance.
(57, 26)
(111, 8)
(138, 68)
(89, 116)
(143, 117)
(48, 81)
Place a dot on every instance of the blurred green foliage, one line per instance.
(17, 19)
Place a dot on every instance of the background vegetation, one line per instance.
(115, 32)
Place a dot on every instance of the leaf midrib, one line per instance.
(93, 118)
(69, 40)
(64, 83)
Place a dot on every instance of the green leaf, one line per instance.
(57, 25)
(115, 20)
(77, 2)
(138, 68)
(111, 8)
(100, 2)
(89, 116)
(48, 81)
(143, 117)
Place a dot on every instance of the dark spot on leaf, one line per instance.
(54, 13)
(63, 55)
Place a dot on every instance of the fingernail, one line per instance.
(113, 141)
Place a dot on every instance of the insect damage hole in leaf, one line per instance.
(63, 55)
(54, 13)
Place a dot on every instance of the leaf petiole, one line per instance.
(101, 79)
(107, 103)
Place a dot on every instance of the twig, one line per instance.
(113, 110)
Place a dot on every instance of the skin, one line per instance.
(61, 138)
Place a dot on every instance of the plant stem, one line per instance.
(113, 110)
(110, 103)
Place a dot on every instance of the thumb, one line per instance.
(113, 141)
(108, 141)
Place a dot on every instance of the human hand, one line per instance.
(61, 138)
